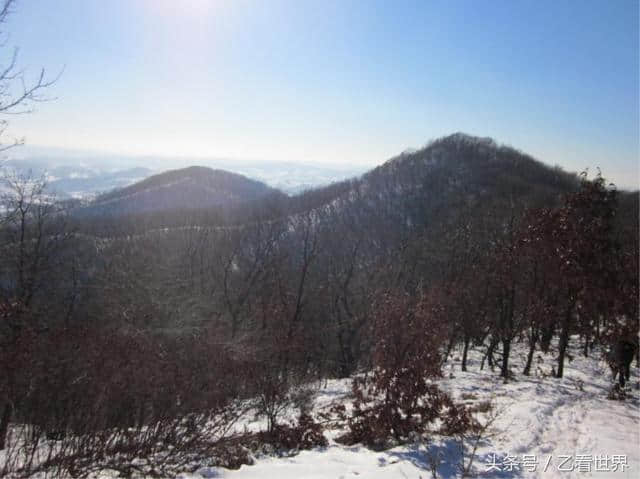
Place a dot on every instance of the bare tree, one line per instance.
(17, 93)
(33, 233)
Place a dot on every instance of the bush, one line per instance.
(397, 401)
(305, 434)
(111, 398)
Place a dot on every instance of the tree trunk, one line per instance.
(464, 352)
(452, 339)
(532, 348)
(4, 423)
(547, 336)
(347, 359)
(564, 340)
(492, 347)
(585, 350)
(506, 350)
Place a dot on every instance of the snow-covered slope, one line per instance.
(545, 428)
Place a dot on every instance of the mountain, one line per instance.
(448, 176)
(192, 188)
(82, 174)
(411, 220)
(465, 170)
(195, 240)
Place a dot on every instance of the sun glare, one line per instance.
(184, 7)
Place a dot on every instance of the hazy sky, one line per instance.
(335, 81)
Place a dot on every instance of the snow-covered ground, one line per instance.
(546, 428)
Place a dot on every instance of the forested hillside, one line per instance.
(154, 315)
(190, 188)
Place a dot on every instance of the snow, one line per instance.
(335, 461)
(542, 416)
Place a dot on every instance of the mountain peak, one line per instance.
(193, 187)
(461, 137)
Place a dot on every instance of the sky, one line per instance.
(343, 82)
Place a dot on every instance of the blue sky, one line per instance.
(350, 82)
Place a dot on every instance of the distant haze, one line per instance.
(77, 173)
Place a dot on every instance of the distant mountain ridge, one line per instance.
(191, 188)
(77, 174)
(452, 179)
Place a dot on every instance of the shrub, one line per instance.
(306, 433)
(396, 400)
(111, 398)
